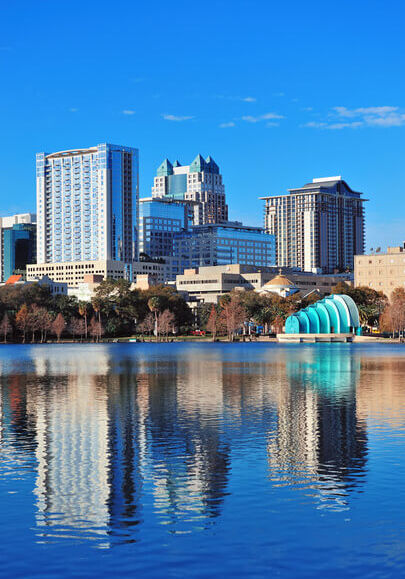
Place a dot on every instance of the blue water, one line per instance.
(186, 460)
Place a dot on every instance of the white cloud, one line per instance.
(374, 111)
(227, 125)
(73, 110)
(344, 118)
(271, 124)
(128, 112)
(258, 119)
(176, 118)
(244, 99)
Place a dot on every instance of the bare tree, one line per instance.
(213, 322)
(21, 320)
(76, 327)
(96, 329)
(393, 317)
(58, 326)
(5, 327)
(147, 324)
(43, 322)
(232, 317)
(165, 322)
(34, 320)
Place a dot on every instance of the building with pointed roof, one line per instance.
(200, 183)
(318, 227)
(280, 285)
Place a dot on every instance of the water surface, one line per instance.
(187, 460)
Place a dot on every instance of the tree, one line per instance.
(147, 324)
(96, 329)
(165, 322)
(393, 317)
(21, 320)
(232, 316)
(58, 326)
(44, 322)
(83, 311)
(5, 327)
(76, 327)
(155, 304)
(34, 320)
(213, 322)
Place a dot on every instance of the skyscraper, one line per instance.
(17, 244)
(319, 226)
(87, 204)
(200, 183)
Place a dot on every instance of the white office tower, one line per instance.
(87, 204)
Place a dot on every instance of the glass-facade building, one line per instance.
(159, 221)
(87, 204)
(222, 244)
(17, 244)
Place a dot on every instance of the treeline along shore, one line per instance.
(30, 313)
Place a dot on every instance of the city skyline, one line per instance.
(271, 126)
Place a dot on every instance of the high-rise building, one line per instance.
(319, 226)
(87, 204)
(17, 244)
(200, 183)
(222, 244)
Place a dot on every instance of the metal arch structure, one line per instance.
(333, 314)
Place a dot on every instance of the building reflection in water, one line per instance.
(119, 441)
(320, 442)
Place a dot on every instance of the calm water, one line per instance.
(176, 460)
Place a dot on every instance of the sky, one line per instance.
(276, 92)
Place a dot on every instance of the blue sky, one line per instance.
(277, 93)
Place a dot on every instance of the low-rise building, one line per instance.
(381, 271)
(85, 289)
(207, 284)
(56, 288)
(73, 272)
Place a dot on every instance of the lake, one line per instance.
(202, 460)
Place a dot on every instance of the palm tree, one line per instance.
(83, 308)
(155, 305)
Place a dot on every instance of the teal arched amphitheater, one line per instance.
(335, 314)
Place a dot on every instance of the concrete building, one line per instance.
(87, 205)
(381, 271)
(223, 244)
(318, 227)
(200, 183)
(207, 284)
(17, 244)
(73, 272)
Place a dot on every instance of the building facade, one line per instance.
(200, 183)
(381, 271)
(207, 284)
(159, 220)
(221, 244)
(87, 204)
(73, 272)
(318, 227)
(17, 244)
